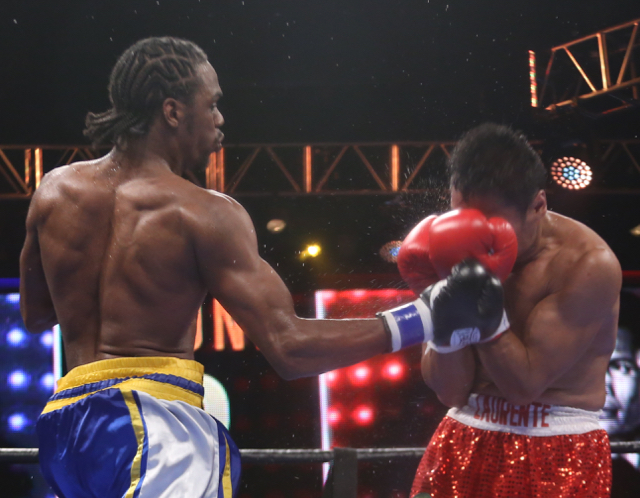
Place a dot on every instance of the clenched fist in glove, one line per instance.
(438, 243)
(464, 308)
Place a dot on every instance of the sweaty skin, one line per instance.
(562, 301)
(121, 252)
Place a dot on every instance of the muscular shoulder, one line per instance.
(217, 220)
(584, 262)
(210, 208)
(48, 193)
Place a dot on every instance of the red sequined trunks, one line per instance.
(492, 449)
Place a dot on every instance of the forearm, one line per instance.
(307, 347)
(512, 368)
(450, 375)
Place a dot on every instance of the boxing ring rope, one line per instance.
(342, 481)
(268, 456)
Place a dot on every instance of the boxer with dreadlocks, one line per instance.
(121, 252)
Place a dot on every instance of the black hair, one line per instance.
(495, 160)
(146, 74)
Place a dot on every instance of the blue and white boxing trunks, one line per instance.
(135, 428)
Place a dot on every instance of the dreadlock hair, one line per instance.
(146, 74)
(495, 160)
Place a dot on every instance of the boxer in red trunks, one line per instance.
(524, 406)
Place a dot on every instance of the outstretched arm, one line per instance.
(558, 331)
(36, 305)
(257, 298)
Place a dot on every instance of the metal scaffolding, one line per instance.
(303, 169)
(599, 69)
(259, 168)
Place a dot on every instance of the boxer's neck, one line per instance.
(536, 244)
(149, 152)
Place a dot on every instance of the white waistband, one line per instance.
(537, 419)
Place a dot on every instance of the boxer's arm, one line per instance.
(257, 298)
(450, 375)
(36, 305)
(558, 332)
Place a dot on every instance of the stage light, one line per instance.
(18, 380)
(389, 251)
(313, 250)
(13, 298)
(571, 173)
(46, 339)
(216, 400)
(331, 377)
(635, 231)
(363, 415)
(334, 416)
(360, 375)
(17, 422)
(393, 370)
(533, 84)
(16, 337)
(276, 225)
(47, 381)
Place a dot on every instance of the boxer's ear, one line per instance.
(538, 207)
(172, 112)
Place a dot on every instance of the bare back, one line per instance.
(581, 383)
(118, 256)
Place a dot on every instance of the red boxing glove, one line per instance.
(413, 258)
(437, 244)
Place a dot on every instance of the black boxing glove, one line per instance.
(464, 308)
(467, 308)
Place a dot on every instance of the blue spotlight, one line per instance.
(47, 381)
(17, 337)
(13, 298)
(46, 339)
(18, 380)
(17, 422)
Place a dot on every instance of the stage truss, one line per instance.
(328, 168)
(600, 72)
(299, 169)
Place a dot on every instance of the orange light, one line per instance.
(307, 169)
(38, 168)
(27, 166)
(198, 341)
(532, 78)
(395, 167)
(222, 320)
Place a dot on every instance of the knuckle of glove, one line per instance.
(467, 308)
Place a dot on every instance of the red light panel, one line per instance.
(363, 415)
(393, 370)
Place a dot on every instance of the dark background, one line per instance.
(315, 71)
(296, 71)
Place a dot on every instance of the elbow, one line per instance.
(452, 397)
(523, 395)
(453, 401)
(285, 368)
(38, 324)
(284, 359)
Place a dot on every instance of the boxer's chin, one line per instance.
(201, 164)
